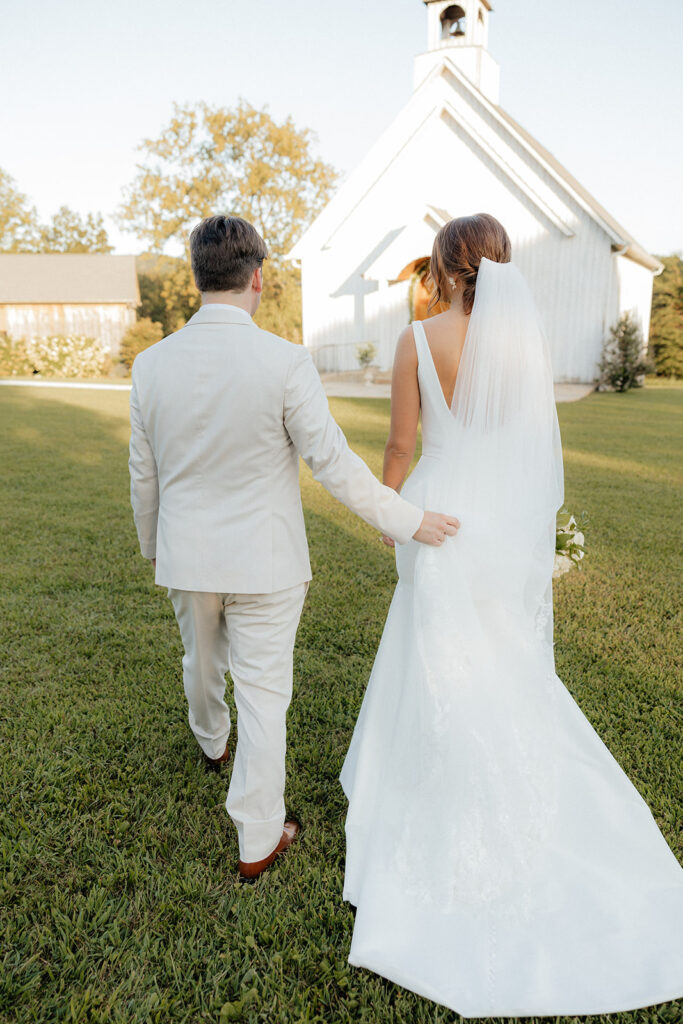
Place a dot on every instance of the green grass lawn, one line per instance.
(120, 899)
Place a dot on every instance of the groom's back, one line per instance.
(211, 398)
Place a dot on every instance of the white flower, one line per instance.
(563, 563)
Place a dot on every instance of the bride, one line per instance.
(500, 860)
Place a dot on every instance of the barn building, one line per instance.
(89, 294)
(454, 151)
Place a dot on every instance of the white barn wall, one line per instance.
(635, 292)
(106, 322)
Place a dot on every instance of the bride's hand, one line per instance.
(435, 528)
(388, 541)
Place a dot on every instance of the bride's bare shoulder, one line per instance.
(405, 346)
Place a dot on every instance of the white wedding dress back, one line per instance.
(500, 861)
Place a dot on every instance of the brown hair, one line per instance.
(225, 252)
(458, 249)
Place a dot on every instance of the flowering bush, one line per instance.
(569, 541)
(53, 356)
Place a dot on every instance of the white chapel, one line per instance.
(453, 151)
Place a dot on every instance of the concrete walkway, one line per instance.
(340, 385)
(86, 386)
(337, 385)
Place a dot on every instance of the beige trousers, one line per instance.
(253, 636)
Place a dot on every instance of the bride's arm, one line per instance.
(405, 412)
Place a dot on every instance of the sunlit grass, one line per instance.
(119, 893)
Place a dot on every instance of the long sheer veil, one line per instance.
(505, 477)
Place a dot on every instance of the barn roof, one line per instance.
(32, 278)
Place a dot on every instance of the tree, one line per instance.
(18, 220)
(666, 324)
(69, 232)
(209, 160)
(167, 291)
(623, 365)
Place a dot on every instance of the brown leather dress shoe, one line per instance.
(249, 872)
(214, 763)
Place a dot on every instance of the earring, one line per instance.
(452, 283)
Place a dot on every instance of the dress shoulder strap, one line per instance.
(426, 370)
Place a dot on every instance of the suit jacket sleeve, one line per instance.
(144, 481)
(323, 447)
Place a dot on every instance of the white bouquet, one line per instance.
(569, 541)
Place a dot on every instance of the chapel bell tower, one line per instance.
(460, 32)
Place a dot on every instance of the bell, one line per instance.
(457, 29)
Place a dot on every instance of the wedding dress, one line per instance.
(500, 860)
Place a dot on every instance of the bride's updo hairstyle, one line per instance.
(458, 249)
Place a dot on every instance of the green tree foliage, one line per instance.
(666, 324)
(69, 232)
(20, 230)
(623, 364)
(280, 309)
(137, 338)
(18, 221)
(209, 160)
(167, 291)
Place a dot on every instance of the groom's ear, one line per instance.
(257, 281)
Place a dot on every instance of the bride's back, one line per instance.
(445, 335)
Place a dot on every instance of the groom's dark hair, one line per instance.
(225, 252)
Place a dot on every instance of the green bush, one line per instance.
(137, 338)
(14, 358)
(623, 364)
(53, 356)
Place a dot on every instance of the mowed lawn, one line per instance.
(120, 899)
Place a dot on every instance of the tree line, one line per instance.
(205, 160)
(242, 161)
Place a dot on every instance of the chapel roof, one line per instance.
(27, 278)
(392, 141)
(634, 250)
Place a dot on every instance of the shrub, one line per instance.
(365, 354)
(137, 338)
(53, 356)
(14, 357)
(623, 364)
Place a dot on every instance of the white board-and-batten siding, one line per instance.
(106, 322)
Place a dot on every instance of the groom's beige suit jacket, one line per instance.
(220, 413)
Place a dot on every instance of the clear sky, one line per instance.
(83, 81)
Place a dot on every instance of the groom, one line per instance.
(220, 413)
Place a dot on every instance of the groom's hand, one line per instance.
(435, 528)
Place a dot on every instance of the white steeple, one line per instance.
(460, 31)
